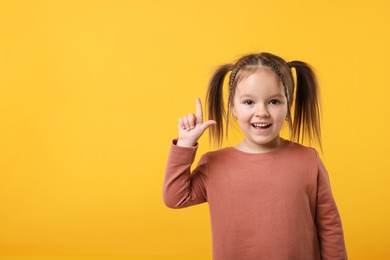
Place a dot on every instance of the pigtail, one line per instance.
(215, 105)
(306, 123)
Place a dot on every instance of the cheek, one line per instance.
(238, 111)
(242, 113)
(281, 114)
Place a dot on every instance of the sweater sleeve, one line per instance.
(328, 220)
(183, 188)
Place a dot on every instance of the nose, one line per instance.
(261, 111)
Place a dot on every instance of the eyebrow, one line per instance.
(278, 95)
(245, 96)
(272, 96)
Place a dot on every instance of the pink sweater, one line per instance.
(270, 206)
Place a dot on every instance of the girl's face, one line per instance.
(260, 106)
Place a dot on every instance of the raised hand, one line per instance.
(191, 127)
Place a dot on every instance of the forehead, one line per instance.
(260, 80)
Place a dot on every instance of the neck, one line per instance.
(248, 147)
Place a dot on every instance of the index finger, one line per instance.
(199, 112)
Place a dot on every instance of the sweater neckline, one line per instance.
(280, 149)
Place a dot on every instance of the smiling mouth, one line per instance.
(261, 126)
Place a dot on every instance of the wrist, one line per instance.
(185, 143)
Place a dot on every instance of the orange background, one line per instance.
(90, 93)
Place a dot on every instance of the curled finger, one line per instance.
(186, 123)
(191, 120)
(181, 123)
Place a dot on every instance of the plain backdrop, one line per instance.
(90, 93)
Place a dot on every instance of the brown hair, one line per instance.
(302, 97)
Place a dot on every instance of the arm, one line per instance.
(181, 187)
(328, 220)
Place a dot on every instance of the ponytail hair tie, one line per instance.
(289, 64)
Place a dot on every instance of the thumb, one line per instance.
(207, 124)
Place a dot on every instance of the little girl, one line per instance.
(269, 198)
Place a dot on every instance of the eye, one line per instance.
(248, 102)
(275, 101)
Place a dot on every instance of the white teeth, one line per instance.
(261, 125)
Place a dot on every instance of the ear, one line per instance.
(233, 111)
